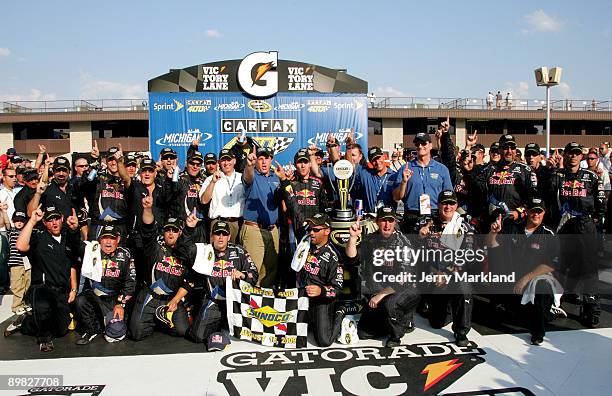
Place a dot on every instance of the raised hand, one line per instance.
(195, 142)
(41, 187)
(251, 159)
(37, 215)
(406, 174)
(279, 171)
(356, 230)
(216, 176)
(119, 153)
(147, 202)
(444, 125)
(472, 139)
(95, 152)
(42, 148)
(496, 225)
(72, 221)
(192, 219)
(424, 231)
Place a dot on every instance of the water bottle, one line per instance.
(359, 207)
(92, 175)
(175, 175)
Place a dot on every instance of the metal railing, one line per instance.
(55, 106)
(50, 106)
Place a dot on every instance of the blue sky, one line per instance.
(109, 49)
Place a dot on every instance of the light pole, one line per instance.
(547, 78)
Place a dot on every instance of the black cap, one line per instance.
(30, 174)
(131, 159)
(173, 222)
(301, 155)
(61, 163)
(447, 196)
(572, 146)
(265, 151)
(478, 147)
(221, 226)
(494, 146)
(226, 153)
(196, 156)
(51, 212)
(422, 137)
(319, 153)
(147, 163)
(320, 219)
(111, 152)
(109, 230)
(19, 216)
(532, 148)
(536, 203)
(506, 140)
(385, 212)
(374, 152)
(21, 170)
(167, 152)
(11, 151)
(210, 157)
(217, 342)
(16, 159)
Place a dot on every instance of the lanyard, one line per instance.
(231, 186)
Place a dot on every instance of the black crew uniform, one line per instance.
(166, 277)
(393, 314)
(23, 198)
(521, 253)
(63, 201)
(458, 294)
(107, 203)
(577, 201)
(52, 262)
(305, 197)
(183, 196)
(115, 288)
(322, 268)
(212, 315)
(506, 183)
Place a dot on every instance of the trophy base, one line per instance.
(343, 215)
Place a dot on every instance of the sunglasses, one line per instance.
(172, 229)
(331, 145)
(388, 219)
(221, 233)
(195, 163)
(592, 158)
(318, 229)
(11, 176)
(82, 166)
(536, 210)
(420, 144)
(169, 157)
(509, 147)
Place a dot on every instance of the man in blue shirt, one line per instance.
(259, 233)
(419, 183)
(374, 185)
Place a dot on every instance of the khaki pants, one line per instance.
(20, 283)
(263, 247)
(233, 229)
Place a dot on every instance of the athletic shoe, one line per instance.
(28, 308)
(86, 338)
(111, 339)
(558, 312)
(20, 311)
(461, 340)
(392, 342)
(46, 346)
(536, 340)
(14, 326)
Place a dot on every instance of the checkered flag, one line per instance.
(271, 318)
(281, 144)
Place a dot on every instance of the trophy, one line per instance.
(343, 170)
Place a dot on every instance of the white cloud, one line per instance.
(519, 90)
(212, 33)
(564, 91)
(539, 21)
(5, 51)
(100, 89)
(388, 91)
(34, 94)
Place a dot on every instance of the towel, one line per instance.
(530, 290)
(301, 254)
(452, 235)
(205, 259)
(92, 261)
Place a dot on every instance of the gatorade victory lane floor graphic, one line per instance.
(427, 363)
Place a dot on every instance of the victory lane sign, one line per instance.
(421, 369)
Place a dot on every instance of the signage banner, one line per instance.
(285, 122)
